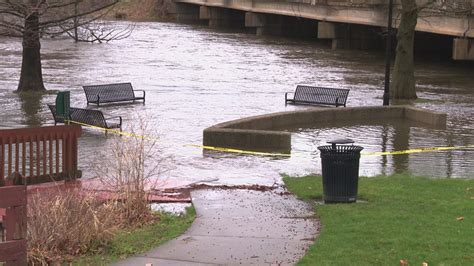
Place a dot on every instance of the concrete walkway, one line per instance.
(239, 227)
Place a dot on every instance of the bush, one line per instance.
(74, 222)
(131, 168)
(68, 223)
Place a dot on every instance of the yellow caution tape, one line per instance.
(127, 134)
(114, 131)
(418, 150)
(230, 150)
(238, 151)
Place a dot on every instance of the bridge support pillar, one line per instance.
(463, 49)
(265, 24)
(186, 13)
(221, 17)
(204, 12)
(347, 36)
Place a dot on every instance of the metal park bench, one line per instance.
(110, 93)
(318, 95)
(88, 117)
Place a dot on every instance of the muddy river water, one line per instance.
(196, 77)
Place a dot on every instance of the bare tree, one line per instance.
(29, 19)
(97, 31)
(131, 168)
(91, 29)
(403, 85)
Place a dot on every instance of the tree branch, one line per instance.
(64, 25)
(12, 13)
(82, 14)
(11, 26)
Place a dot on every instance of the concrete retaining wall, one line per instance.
(267, 132)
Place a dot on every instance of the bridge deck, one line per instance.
(374, 13)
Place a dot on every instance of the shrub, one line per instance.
(130, 168)
(68, 223)
(74, 222)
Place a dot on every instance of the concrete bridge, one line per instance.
(359, 24)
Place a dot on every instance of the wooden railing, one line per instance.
(40, 154)
(13, 225)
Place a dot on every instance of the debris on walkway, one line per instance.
(239, 226)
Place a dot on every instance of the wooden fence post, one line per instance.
(13, 199)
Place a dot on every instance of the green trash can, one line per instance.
(340, 169)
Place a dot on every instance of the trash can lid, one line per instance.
(341, 141)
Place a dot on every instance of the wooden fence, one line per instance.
(13, 225)
(40, 154)
(30, 156)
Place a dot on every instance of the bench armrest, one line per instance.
(286, 96)
(114, 117)
(141, 91)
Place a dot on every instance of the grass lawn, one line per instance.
(138, 241)
(402, 218)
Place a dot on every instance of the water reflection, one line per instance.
(31, 105)
(401, 141)
(384, 138)
(392, 135)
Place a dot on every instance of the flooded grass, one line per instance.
(403, 217)
(128, 243)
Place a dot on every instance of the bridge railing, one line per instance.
(40, 154)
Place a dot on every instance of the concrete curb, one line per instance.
(267, 132)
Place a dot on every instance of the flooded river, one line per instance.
(196, 77)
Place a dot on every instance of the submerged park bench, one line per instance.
(111, 93)
(318, 96)
(88, 117)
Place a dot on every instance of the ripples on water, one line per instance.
(196, 77)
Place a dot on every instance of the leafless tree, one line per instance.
(92, 28)
(403, 85)
(29, 19)
(98, 32)
(132, 168)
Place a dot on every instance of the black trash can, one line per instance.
(340, 167)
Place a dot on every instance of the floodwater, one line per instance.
(196, 77)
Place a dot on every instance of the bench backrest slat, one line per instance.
(86, 116)
(321, 95)
(109, 92)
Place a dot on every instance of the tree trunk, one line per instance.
(403, 84)
(31, 77)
